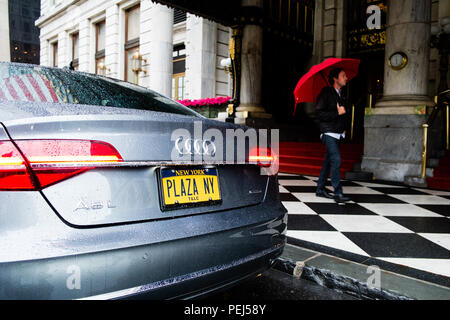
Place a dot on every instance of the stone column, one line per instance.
(112, 48)
(45, 58)
(329, 32)
(84, 46)
(63, 50)
(393, 135)
(160, 45)
(251, 70)
(408, 31)
(201, 45)
(145, 40)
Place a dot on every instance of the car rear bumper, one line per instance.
(179, 268)
(202, 282)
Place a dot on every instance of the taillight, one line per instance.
(14, 173)
(264, 157)
(53, 161)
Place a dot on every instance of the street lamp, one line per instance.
(232, 66)
(226, 65)
(137, 64)
(102, 69)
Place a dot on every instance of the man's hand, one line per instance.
(341, 110)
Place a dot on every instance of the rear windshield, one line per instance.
(31, 83)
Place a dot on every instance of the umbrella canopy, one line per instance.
(312, 83)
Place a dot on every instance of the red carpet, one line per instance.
(441, 174)
(307, 157)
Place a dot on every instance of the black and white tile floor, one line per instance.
(384, 222)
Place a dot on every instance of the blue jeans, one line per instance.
(331, 163)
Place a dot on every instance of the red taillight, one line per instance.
(54, 160)
(14, 173)
(264, 157)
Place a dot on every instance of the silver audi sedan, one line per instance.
(109, 190)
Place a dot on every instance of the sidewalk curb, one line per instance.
(352, 278)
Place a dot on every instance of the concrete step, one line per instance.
(305, 170)
(439, 183)
(312, 160)
(303, 150)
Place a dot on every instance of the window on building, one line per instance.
(178, 87)
(55, 54)
(26, 49)
(179, 16)
(75, 51)
(179, 72)
(100, 46)
(23, 34)
(132, 32)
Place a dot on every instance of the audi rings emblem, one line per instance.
(195, 147)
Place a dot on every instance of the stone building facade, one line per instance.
(181, 52)
(330, 32)
(396, 103)
(280, 40)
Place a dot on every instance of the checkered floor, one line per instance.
(393, 223)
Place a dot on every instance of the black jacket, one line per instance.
(327, 113)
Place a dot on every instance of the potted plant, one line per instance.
(209, 107)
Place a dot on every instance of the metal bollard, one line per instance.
(424, 154)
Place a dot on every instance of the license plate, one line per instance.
(185, 187)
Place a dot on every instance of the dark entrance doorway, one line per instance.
(284, 61)
(287, 51)
(368, 46)
(365, 89)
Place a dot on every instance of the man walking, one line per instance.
(332, 114)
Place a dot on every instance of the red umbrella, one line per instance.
(312, 83)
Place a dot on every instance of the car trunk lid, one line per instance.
(133, 190)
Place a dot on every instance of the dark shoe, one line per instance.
(323, 194)
(339, 198)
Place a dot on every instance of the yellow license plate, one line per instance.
(189, 186)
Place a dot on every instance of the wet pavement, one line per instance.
(276, 285)
(389, 242)
(398, 228)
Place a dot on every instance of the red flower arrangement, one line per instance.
(205, 102)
